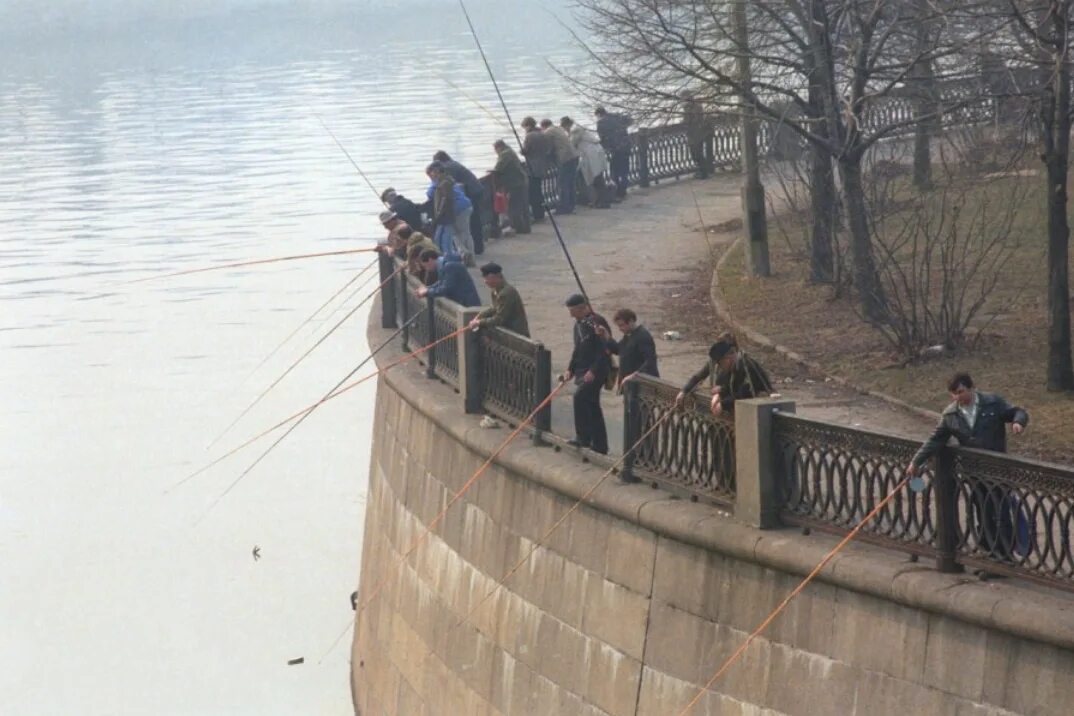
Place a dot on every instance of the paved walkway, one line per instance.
(649, 254)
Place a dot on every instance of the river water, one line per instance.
(136, 141)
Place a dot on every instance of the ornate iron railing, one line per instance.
(1014, 516)
(417, 333)
(517, 376)
(445, 318)
(831, 477)
(691, 450)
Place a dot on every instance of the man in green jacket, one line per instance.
(507, 310)
(510, 177)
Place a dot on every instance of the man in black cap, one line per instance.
(589, 367)
(404, 208)
(732, 374)
(506, 310)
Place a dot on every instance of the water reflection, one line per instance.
(133, 144)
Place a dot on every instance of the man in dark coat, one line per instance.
(612, 130)
(589, 366)
(471, 186)
(404, 208)
(453, 281)
(539, 151)
(979, 420)
(509, 176)
(698, 133)
(732, 374)
(636, 349)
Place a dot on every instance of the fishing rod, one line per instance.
(349, 157)
(794, 593)
(256, 262)
(302, 357)
(543, 539)
(338, 392)
(345, 301)
(529, 169)
(311, 317)
(476, 103)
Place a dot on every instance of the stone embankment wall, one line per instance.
(638, 598)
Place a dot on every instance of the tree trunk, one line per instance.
(924, 100)
(821, 185)
(823, 202)
(922, 154)
(1055, 117)
(866, 279)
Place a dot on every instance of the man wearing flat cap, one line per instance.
(589, 367)
(506, 310)
(732, 374)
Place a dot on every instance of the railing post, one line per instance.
(757, 493)
(542, 387)
(430, 332)
(631, 429)
(404, 308)
(387, 296)
(642, 139)
(471, 377)
(945, 493)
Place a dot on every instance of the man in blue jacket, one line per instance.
(451, 212)
(471, 186)
(453, 281)
(979, 420)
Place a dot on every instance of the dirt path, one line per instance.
(648, 254)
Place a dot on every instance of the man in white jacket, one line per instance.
(593, 161)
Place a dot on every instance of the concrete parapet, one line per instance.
(637, 599)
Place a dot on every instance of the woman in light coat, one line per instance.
(593, 163)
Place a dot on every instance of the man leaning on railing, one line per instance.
(506, 310)
(979, 420)
(732, 374)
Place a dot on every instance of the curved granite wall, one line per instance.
(639, 597)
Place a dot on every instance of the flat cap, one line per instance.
(386, 216)
(575, 299)
(720, 348)
(491, 268)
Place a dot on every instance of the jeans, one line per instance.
(589, 425)
(444, 238)
(463, 240)
(568, 172)
(620, 169)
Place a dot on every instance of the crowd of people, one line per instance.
(439, 238)
(451, 215)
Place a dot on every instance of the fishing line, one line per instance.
(328, 396)
(541, 540)
(310, 318)
(350, 158)
(302, 357)
(394, 570)
(255, 262)
(704, 229)
(337, 393)
(776, 612)
(529, 169)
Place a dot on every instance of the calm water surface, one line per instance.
(131, 145)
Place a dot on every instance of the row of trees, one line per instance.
(823, 70)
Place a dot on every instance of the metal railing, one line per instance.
(692, 450)
(516, 376)
(831, 476)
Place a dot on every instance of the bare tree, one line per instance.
(1045, 30)
(833, 60)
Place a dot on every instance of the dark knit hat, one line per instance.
(575, 299)
(491, 268)
(721, 348)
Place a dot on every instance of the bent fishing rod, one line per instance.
(518, 139)
(254, 262)
(349, 158)
(326, 397)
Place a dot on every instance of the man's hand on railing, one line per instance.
(911, 470)
(474, 324)
(421, 291)
(680, 398)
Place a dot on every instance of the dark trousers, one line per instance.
(589, 425)
(620, 169)
(701, 159)
(993, 520)
(567, 174)
(536, 198)
(477, 224)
